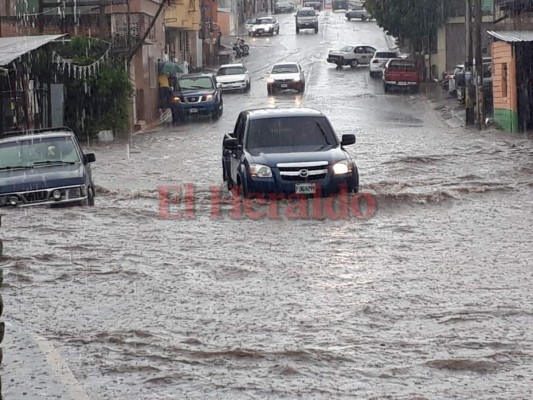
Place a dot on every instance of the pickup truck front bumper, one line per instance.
(401, 83)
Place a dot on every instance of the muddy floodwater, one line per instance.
(430, 297)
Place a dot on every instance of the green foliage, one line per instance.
(98, 102)
(414, 20)
(112, 89)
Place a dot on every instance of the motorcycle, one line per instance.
(237, 50)
(244, 47)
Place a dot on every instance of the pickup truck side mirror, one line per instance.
(347, 140)
(90, 157)
(231, 143)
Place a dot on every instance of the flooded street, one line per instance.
(430, 298)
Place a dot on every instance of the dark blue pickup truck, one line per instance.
(289, 151)
(46, 167)
(195, 95)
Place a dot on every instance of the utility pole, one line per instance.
(479, 63)
(469, 88)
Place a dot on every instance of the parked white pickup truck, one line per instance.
(351, 55)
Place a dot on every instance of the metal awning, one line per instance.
(512, 36)
(12, 48)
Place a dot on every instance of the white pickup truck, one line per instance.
(351, 55)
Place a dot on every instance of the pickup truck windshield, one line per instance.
(285, 69)
(306, 13)
(264, 21)
(380, 54)
(196, 83)
(290, 134)
(37, 152)
(230, 71)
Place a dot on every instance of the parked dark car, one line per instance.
(317, 5)
(340, 5)
(287, 150)
(283, 6)
(44, 167)
(197, 94)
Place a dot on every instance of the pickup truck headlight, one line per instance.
(209, 97)
(342, 167)
(270, 80)
(296, 79)
(260, 171)
(73, 193)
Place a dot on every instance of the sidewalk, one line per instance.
(453, 113)
(32, 369)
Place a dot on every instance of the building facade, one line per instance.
(512, 65)
(182, 26)
(108, 21)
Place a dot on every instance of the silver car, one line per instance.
(358, 12)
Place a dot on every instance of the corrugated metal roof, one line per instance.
(12, 48)
(513, 36)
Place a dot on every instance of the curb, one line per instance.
(164, 118)
(391, 42)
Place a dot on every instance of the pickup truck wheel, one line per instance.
(363, 18)
(415, 89)
(277, 31)
(243, 186)
(349, 18)
(385, 87)
(297, 30)
(269, 90)
(354, 187)
(316, 30)
(354, 63)
(218, 113)
(90, 196)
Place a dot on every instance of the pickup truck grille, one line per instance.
(32, 197)
(303, 172)
(193, 99)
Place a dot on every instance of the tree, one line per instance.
(414, 20)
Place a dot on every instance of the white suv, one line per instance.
(380, 59)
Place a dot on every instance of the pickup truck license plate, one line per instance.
(402, 83)
(193, 110)
(283, 85)
(305, 188)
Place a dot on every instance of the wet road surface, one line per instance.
(428, 299)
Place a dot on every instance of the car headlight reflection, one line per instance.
(260, 171)
(342, 167)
